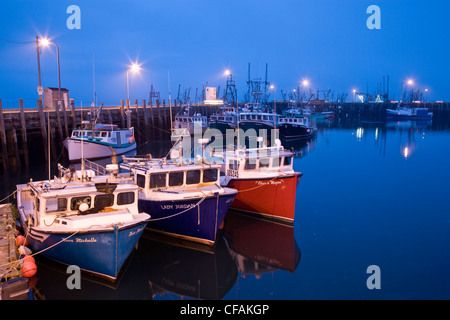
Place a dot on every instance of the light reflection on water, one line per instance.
(372, 194)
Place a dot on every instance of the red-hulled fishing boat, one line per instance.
(265, 180)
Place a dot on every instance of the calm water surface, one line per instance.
(372, 194)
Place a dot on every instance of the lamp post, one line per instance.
(46, 42)
(134, 68)
(39, 68)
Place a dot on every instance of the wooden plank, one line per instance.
(24, 133)
(58, 119)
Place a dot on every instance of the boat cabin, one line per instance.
(109, 134)
(248, 163)
(50, 203)
(158, 176)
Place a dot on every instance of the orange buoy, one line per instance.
(27, 257)
(21, 241)
(29, 269)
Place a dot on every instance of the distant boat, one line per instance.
(188, 121)
(254, 116)
(265, 179)
(93, 141)
(296, 128)
(83, 219)
(184, 197)
(409, 113)
(224, 119)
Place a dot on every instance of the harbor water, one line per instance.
(372, 222)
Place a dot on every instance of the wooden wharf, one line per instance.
(8, 252)
(25, 130)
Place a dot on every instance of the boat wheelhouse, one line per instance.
(225, 118)
(264, 178)
(99, 141)
(296, 128)
(83, 219)
(185, 198)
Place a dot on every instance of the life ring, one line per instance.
(131, 139)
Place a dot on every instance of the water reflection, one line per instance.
(260, 246)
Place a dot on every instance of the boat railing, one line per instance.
(97, 168)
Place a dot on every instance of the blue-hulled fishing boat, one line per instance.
(184, 197)
(83, 219)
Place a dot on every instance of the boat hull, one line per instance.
(197, 219)
(102, 252)
(93, 150)
(295, 131)
(272, 198)
(222, 126)
(408, 114)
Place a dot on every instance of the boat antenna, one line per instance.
(48, 135)
(82, 138)
(170, 99)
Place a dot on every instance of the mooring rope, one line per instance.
(8, 196)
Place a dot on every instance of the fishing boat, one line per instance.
(254, 116)
(264, 178)
(184, 197)
(190, 121)
(296, 128)
(409, 113)
(99, 141)
(224, 119)
(83, 219)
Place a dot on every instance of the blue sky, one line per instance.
(324, 41)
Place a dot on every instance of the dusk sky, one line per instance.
(325, 41)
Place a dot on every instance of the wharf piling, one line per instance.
(8, 253)
(25, 131)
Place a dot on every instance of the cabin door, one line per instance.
(119, 140)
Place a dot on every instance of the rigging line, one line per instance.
(17, 42)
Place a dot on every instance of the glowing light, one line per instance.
(135, 67)
(406, 152)
(410, 82)
(305, 83)
(44, 42)
(227, 72)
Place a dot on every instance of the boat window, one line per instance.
(75, 202)
(266, 117)
(210, 175)
(140, 180)
(233, 164)
(287, 161)
(75, 134)
(103, 133)
(103, 200)
(125, 198)
(276, 161)
(56, 204)
(97, 134)
(176, 178)
(250, 164)
(192, 176)
(158, 180)
(264, 162)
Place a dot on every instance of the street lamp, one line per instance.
(46, 42)
(135, 69)
(354, 95)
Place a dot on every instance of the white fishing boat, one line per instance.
(409, 113)
(83, 219)
(190, 121)
(99, 141)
